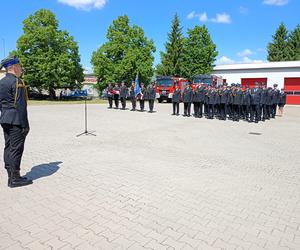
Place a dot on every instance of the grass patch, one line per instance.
(47, 102)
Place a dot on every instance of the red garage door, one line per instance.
(292, 89)
(251, 81)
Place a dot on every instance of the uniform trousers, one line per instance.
(116, 99)
(151, 105)
(176, 108)
(14, 137)
(123, 102)
(110, 101)
(187, 108)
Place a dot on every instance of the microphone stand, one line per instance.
(86, 132)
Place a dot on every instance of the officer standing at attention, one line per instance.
(14, 120)
(196, 101)
(132, 96)
(263, 102)
(224, 102)
(116, 91)
(176, 100)
(151, 94)
(255, 103)
(276, 97)
(110, 90)
(142, 96)
(123, 95)
(187, 98)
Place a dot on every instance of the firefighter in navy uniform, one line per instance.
(275, 100)
(246, 103)
(176, 100)
(123, 95)
(116, 95)
(110, 91)
(142, 96)
(151, 95)
(255, 103)
(187, 98)
(14, 120)
(196, 101)
(224, 94)
(263, 102)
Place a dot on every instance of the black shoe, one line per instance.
(173, 114)
(17, 181)
(256, 121)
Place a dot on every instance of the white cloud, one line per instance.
(222, 18)
(245, 53)
(203, 17)
(84, 4)
(191, 15)
(276, 2)
(219, 18)
(243, 10)
(224, 60)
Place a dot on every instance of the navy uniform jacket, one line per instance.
(123, 92)
(151, 93)
(276, 96)
(238, 97)
(198, 94)
(218, 97)
(212, 97)
(13, 101)
(224, 96)
(247, 98)
(255, 96)
(269, 97)
(282, 98)
(116, 88)
(230, 97)
(109, 91)
(176, 96)
(264, 96)
(144, 93)
(187, 95)
(131, 93)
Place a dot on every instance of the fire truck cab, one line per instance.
(165, 86)
(212, 80)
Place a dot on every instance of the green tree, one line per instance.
(170, 59)
(49, 56)
(199, 52)
(293, 44)
(278, 49)
(127, 52)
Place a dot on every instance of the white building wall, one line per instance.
(274, 76)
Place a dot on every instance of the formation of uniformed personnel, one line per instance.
(231, 102)
(151, 95)
(13, 119)
(123, 95)
(187, 98)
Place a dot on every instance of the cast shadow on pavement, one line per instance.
(43, 170)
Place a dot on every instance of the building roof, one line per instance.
(264, 65)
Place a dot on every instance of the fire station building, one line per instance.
(285, 74)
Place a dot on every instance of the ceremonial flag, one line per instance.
(137, 89)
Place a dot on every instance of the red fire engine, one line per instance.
(165, 86)
(208, 79)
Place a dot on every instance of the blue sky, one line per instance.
(240, 29)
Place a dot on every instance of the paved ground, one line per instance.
(153, 181)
